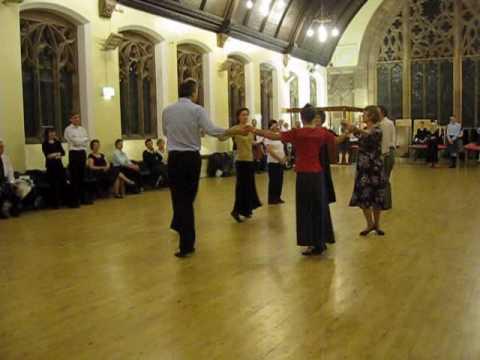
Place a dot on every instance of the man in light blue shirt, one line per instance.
(454, 136)
(183, 124)
(127, 167)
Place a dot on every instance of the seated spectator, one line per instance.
(161, 148)
(9, 200)
(126, 166)
(153, 161)
(422, 135)
(106, 176)
(57, 178)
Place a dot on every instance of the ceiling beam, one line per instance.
(302, 19)
(230, 8)
(282, 19)
(247, 15)
(177, 11)
(265, 19)
(295, 45)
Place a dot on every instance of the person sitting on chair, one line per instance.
(421, 137)
(161, 149)
(106, 176)
(153, 161)
(9, 201)
(127, 167)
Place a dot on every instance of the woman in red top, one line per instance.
(314, 223)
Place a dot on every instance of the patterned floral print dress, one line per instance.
(370, 180)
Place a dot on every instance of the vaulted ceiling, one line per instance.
(284, 29)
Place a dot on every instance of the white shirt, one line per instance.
(183, 124)
(76, 137)
(388, 135)
(277, 147)
(120, 158)
(8, 169)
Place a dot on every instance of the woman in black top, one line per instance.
(433, 140)
(106, 175)
(53, 151)
(153, 161)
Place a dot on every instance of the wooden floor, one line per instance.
(101, 282)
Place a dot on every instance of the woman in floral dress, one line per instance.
(369, 192)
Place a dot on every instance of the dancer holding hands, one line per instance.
(314, 223)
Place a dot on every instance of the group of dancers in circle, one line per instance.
(315, 150)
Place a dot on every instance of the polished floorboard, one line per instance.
(101, 282)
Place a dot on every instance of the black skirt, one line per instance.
(325, 162)
(432, 150)
(314, 223)
(246, 196)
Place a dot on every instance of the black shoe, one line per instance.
(236, 216)
(366, 232)
(379, 232)
(183, 254)
(281, 201)
(313, 251)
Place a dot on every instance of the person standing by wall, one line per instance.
(53, 150)
(454, 135)
(183, 124)
(77, 139)
(388, 149)
(434, 139)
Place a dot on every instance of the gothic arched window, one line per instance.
(49, 72)
(138, 89)
(436, 65)
(266, 94)
(190, 65)
(236, 86)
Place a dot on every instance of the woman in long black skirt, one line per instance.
(433, 140)
(53, 150)
(246, 197)
(314, 223)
